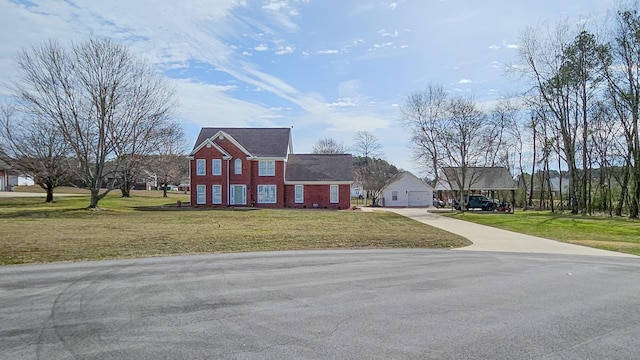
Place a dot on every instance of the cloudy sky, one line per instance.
(326, 67)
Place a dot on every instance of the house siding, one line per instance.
(207, 179)
(3, 180)
(277, 180)
(251, 180)
(409, 189)
(248, 178)
(319, 194)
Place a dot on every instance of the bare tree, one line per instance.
(170, 164)
(96, 95)
(374, 175)
(34, 149)
(366, 145)
(329, 146)
(623, 79)
(424, 116)
(464, 140)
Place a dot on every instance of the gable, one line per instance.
(259, 142)
(406, 181)
(210, 144)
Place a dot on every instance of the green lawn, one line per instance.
(34, 232)
(617, 234)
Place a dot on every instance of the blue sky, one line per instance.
(326, 67)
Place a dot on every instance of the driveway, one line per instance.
(486, 238)
(365, 304)
(15, 194)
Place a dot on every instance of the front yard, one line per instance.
(616, 234)
(34, 232)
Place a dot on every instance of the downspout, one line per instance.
(228, 184)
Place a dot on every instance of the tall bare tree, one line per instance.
(170, 164)
(366, 145)
(424, 117)
(34, 149)
(96, 94)
(329, 146)
(623, 79)
(465, 141)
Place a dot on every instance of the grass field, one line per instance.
(617, 234)
(35, 232)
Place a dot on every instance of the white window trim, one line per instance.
(237, 170)
(394, 196)
(213, 166)
(213, 194)
(295, 194)
(203, 167)
(201, 194)
(263, 172)
(275, 194)
(337, 192)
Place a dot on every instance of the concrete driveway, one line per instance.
(17, 194)
(367, 304)
(486, 238)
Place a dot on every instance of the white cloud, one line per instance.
(331, 51)
(275, 5)
(513, 46)
(282, 50)
(494, 47)
(246, 53)
(212, 105)
(464, 81)
(261, 47)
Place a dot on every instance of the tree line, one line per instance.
(92, 111)
(579, 118)
(370, 170)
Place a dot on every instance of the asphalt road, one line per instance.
(382, 304)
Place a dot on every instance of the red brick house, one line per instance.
(257, 167)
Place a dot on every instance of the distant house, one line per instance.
(406, 189)
(257, 167)
(8, 176)
(356, 189)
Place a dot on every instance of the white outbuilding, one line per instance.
(406, 189)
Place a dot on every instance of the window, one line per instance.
(216, 167)
(333, 194)
(200, 167)
(266, 194)
(266, 168)
(299, 196)
(394, 195)
(201, 194)
(237, 166)
(216, 194)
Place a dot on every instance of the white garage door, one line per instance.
(420, 198)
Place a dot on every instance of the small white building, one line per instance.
(356, 189)
(406, 189)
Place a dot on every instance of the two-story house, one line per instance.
(257, 167)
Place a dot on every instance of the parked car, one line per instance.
(169, 188)
(478, 202)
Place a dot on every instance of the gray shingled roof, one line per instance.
(481, 178)
(266, 142)
(319, 167)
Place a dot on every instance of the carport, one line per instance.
(479, 180)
